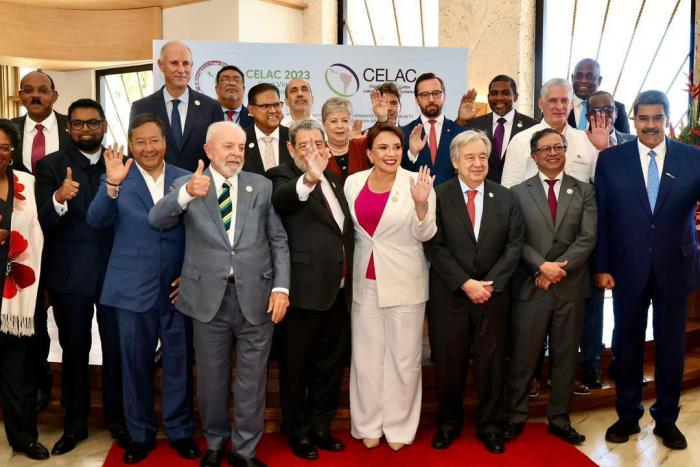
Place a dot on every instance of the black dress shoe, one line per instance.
(67, 443)
(136, 452)
(35, 451)
(121, 435)
(512, 430)
(186, 448)
(620, 431)
(443, 438)
(672, 436)
(324, 440)
(492, 441)
(593, 378)
(212, 458)
(237, 461)
(567, 433)
(302, 447)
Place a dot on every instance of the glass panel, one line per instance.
(117, 92)
(384, 22)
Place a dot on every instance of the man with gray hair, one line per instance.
(582, 147)
(315, 336)
(186, 113)
(473, 255)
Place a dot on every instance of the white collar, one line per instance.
(466, 188)
(147, 176)
(260, 135)
(48, 123)
(218, 179)
(184, 97)
(544, 178)
(510, 116)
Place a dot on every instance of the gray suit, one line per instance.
(258, 261)
(559, 309)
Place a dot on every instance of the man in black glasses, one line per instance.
(266, 138)
(75, 261)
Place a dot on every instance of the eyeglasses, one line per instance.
(234, 80)
(556, 149)
(5, 149)
(426, 95)
(42, 91)
(608, 109)
(92, 124)
(266, 107)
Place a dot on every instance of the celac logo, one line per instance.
(342, 80)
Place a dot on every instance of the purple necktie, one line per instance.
(498, 137)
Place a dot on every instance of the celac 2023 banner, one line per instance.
(345, 71)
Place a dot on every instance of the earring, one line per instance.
(11, 162)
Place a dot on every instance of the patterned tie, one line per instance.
(582, 122)
(38, 145)
(432, 142)
(229, 115)
(269, 157)
(225, 204)
(176, 124)
(498, 137)
(471, 207)
(652, 180)
(552, 199)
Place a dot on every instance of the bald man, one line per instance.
(299, 100)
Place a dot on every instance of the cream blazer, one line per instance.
(400, 265)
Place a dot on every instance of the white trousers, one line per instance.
(385, 374)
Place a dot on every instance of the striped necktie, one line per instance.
(225, 204)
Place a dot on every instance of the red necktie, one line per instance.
(552, 199)
(471, 208)
(38, 145)
(432, 142)
(229, 115)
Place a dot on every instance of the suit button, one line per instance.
(651, 250)
(233, 252)
(653, 226)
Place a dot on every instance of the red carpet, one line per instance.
(535, 447)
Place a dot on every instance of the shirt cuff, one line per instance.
(281, 289)
(61, 209)
(303, 190)
(184, 198)
(412, 157)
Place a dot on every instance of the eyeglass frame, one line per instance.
(267, 107)
(85, 123)
(437, 94)
(545, 150)
(7, 149)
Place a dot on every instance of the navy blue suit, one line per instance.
(245, 120)
(143, 264)
(202, 111)
(442, 169)
(652, 256)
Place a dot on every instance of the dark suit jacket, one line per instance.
(622, 123)
(442, 169)
(633, 241)
(485, 123)
(456, 256)
(63, 139)
(253, 157)
(75, 254)
(571, 238)
(245, 120)
(145, 260)
(202, 111)
(317, 247)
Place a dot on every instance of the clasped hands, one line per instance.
(478, 291)
(550, 272)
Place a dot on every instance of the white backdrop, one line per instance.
(332, 70)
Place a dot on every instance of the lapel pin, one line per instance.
(670, 175)
(333, 185)
(249, 188)
(196, 102)
(519, 124)
(393, 199)
(569, 191)
(490, 195)
(578, 156)
(251, 145)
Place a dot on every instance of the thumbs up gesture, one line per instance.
(199, 183)
(69, 189)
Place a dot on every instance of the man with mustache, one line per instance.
(230, 86)
(299, 100)
(585, 81)
(647, 191)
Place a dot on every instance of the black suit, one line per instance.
(202, 111)
(253, 156)
(622, 123)
(63, 139)
(485, 123)
(75, 261)
(457, 323)
(316, 331)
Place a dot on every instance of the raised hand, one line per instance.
(199, 183)
(599, 131)
(380, 108)
(415, 142)
(356, 129)
(467, 109)
(421, 188)
(116, 168)
(316, 161)
(69, 189)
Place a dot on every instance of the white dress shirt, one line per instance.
(262, 145)
(236, 115)
(660, 151)
(287, 120)
(557, 186)
(50, 136)
(478, 204)
(439, 121)
(507, 127)
(182, 106)
(156, 187)
(581, 156)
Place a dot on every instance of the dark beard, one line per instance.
(88, 146)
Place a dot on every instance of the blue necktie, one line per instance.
(582, 122)
(652, 180)
(176, 124)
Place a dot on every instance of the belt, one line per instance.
(230, 279)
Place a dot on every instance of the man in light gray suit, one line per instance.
(235, 286)
(551, 283)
